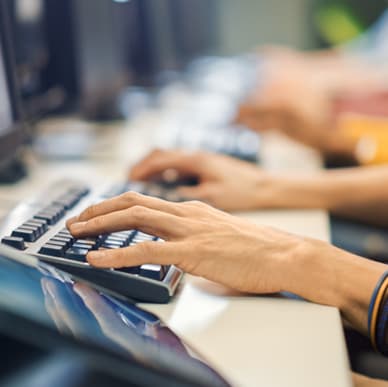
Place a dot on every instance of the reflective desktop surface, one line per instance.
(44, 295)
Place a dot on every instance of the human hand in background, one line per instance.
(300, 94)
(223, 182)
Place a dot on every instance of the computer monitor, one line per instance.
(190, 40)
(43, 43)
(101, 29)
(11, 131)
(70, 55)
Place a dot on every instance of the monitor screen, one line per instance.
(5, 105)
(42, 46)
(48, 297)
(12, 131)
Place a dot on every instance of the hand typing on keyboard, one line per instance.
(220, 247)
(224, 182)
(198, 239)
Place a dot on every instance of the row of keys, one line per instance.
(51, 214)
(57, 209)
(29, 231)
(33, 229)
(64, 245)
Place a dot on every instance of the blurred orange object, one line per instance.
(370, 134)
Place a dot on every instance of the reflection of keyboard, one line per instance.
(37, 227)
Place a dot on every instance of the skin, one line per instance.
(257, 259)
(300, 93)
(363, 381)
(234, 185)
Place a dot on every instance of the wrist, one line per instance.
(295, 191)
(327, 275)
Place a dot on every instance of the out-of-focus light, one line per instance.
(121, 1)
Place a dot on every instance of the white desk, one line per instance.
(253, 341)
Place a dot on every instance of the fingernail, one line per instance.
(72, 220)
(77, 227)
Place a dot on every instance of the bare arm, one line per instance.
(356, 193)
(363, 381)
(257, 260)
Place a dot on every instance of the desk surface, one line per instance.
(253, 341)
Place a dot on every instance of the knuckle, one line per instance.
(138, 212)
(196, 203)
(94, 224)
(89, 212)
(131, 196)
(146, 249)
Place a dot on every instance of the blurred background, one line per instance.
(81, 55)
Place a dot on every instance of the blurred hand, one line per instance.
(292, 101)
(300, 92)
(224, 182)
(302, 113)
(199, 239)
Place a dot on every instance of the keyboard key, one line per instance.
(40, 226)
(76, 254)
(58, 243)
(119, 241)
(156, 272)
(64, 231)
(25, 233)
(49, 218)
(112, 245)
(67, 202)
(78, 245)
(79, 191)
(52, 250)
(64, 234)
(142, 237)
(34, 229)
(90, 242)
(66, 241)
(16, 242)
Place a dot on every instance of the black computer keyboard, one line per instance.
(37, 227)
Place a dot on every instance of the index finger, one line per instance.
(150, 221)
(122, 202)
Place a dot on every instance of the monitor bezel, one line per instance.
(11, 142)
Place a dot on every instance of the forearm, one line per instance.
(363, 381)
(357, 193)
(341, 73)
(326, 275)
